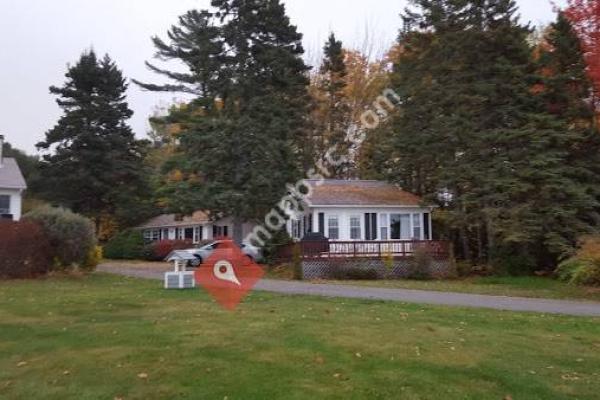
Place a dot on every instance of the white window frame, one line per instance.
(403, 216)
(351, 227)
(384, 227)
(419, 225)
(198, 234)
(336, 218)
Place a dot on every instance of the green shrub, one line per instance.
(512, 260)
(420, 264)
(126, 245)
(71, 236)
(566, 269)
(584, 267)
(93, 259)
(271, 249)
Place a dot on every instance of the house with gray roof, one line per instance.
(12, 185)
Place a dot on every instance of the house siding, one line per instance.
(15, 202)
(345, 213)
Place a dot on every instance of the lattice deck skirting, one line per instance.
(377, 268)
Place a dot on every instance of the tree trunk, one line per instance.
(238, 230)
(464, 239)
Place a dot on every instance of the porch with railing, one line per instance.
(366, 249)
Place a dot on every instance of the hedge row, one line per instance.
(129, 245)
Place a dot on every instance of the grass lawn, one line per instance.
(529, 286)
(106, 337)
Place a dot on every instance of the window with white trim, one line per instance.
(152, 235)
(416, 226)
(355, 231)
(333, 227)
(4, 204)
(383, 223)
(198, 234)
(400, 226)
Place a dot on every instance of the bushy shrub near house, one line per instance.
(584, 267)
(25, 251)
(158, 251)
(420, 264)
(126, 245)
(93, 259)
(72, 237)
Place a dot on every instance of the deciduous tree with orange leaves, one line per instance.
(585, 17)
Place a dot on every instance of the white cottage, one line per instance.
(12, 185)
(195, 228)
(363, 210)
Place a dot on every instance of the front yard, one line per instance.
(106, 337)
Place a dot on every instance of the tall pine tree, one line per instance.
(332, 113)
(93, 163)
(239, 138)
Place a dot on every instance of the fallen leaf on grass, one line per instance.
(570, 377)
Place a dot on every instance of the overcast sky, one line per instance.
(39, 37)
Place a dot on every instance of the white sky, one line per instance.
(39, 37)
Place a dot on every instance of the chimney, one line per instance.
(1, 148)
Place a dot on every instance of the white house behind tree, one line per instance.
(196, 228)
(12, 185)
(362, 210)
(342, 210)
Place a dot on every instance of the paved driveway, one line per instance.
(582, 308)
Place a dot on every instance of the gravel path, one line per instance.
(580, 308)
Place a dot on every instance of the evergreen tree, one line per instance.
(239, 138)
(332, 114)
(565, 85)
(93, 163)
(471, 130)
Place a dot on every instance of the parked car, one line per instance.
(202, 253)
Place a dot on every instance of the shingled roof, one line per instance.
(172, 220)
(10, 175)
(360, 193)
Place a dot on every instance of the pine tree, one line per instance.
(239, 144)
(93, 163)
(565, 85)
(332, 114)
(471, 129)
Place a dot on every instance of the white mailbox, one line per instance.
(179, 278)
